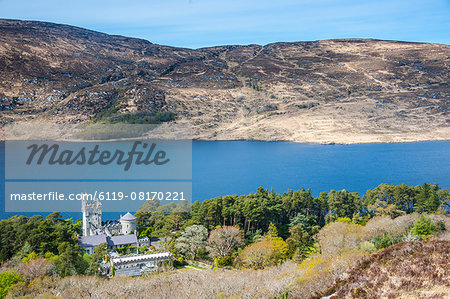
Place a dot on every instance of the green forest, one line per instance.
(296, 216)
(253, 213)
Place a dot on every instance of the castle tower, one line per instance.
(92, 216)
(128, 223)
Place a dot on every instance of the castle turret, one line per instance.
(92, 216)
(128, 223)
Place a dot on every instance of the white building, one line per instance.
(135, 265)
(128, 223)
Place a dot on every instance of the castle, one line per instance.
(93, 225)
(115, 234)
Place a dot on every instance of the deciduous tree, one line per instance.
(223, 241)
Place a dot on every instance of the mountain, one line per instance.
(343, 91)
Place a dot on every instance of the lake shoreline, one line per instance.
(306, 141)
(326, 142)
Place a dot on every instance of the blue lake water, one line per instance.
(239, 167)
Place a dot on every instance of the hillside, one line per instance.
(404, 257)
(343, 91)
(406, 270)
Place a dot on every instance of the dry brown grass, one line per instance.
(271, 282)
(306, 280)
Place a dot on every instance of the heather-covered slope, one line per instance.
(405, 270)
(348, 91)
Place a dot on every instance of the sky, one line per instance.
(202, 23)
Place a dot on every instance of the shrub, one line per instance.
(368, 247)
(177, 261)
(127, 249)
(303, 252)
(386, 240)
(344, 220)
(220, 262)
(31, 256)
(410, 238)
(143, 249)
(442, 222)
(7, 280)
(424, 228)
(180, 260)
(441, 225)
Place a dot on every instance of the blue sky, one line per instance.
(200, 23)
